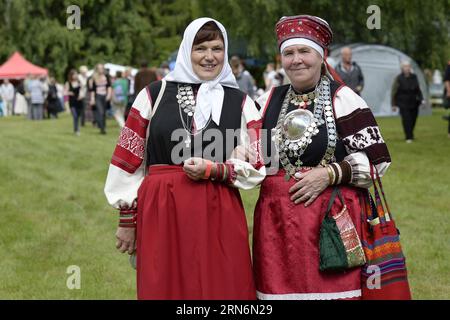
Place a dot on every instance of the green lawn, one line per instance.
(55, 214)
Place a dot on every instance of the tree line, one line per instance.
(128, 31)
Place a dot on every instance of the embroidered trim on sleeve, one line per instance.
(131, 141)
(364, 138)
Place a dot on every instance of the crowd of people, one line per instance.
(102, 95)
(90, 97)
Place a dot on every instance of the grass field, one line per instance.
(55, 214)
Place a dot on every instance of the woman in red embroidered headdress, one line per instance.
(197, 131)
(323, 135)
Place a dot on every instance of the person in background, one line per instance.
(109, 110)
(44, 80)
(2, 107)
(130, 79)
(164, 69)
(61, 96)
(84, 95)
(53, 103)
(36, 89)
(243, 77)
(100, 95)
(20, 102)
(72, 90)
(7, 93)
(447, 92)
(407, 96)
(144, 77)
(119, 98)
(349, 71)
(271, 78)
(27, 94)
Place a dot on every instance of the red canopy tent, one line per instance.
(17, 67)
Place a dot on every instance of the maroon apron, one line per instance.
(286, 245)
(192, 239)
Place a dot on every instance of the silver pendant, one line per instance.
(296, 123)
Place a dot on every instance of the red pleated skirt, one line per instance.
(286, 245)
(192, 239)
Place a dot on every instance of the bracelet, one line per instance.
(213, 175)
(334, 169)
(330, 174)
(127, 219)
(208, 169)
(225, 173)
(346, 171)
(220, 173)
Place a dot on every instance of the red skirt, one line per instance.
(286, 245)
(192, 239)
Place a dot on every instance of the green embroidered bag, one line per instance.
(339, 243)
(333, 255)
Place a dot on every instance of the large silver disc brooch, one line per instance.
(297, 129)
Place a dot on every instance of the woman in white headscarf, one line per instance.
(197, 135)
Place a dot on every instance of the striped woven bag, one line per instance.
(384, 277)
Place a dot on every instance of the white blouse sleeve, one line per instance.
(126, 170)
(360, 169)
(246, 164)
(361, 136)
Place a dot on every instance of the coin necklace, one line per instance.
(186, 103)
(294, 130)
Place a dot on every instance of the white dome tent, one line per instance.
(380, 65)
(113, 68)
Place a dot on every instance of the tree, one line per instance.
(127, 31)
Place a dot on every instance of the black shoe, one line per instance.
(103, 132)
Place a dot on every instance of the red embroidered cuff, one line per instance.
(127, 218)
(231, 174)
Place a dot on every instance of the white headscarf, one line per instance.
(210, 94)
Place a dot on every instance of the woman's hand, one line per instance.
(126, 240)
(195, 168)
(310, 186)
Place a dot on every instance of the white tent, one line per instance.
(113, 68)
(380, 65)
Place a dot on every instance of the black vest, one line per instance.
(167, 120)
(408, 92)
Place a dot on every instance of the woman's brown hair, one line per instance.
(209, 32)
(70, 75)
